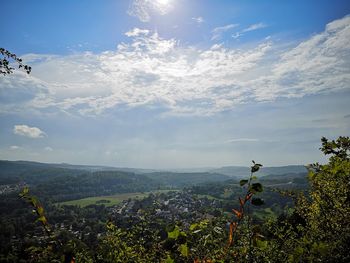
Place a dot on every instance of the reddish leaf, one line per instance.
(241, 201)
(248, 196)
(230, 238)
(237, 213)
(233, 228)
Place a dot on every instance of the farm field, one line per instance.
(109, 200)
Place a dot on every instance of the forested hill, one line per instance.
(68, 187)
(241, 171)
(17, 167)
(179, 180)
(62, 182)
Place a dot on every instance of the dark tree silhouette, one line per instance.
(5, 59)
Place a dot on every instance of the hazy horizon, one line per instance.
(151, 168)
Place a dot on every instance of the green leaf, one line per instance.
(218, 230)
(204, 223)
(25, 191)
(110, 226)
(243, 182)
(175, 233)
(193, 226)
(34, 201)
(256, 188)
(169, 260)
(261, 244)
(184, 250)
(40, 210)
(256, 167)
(257, 201)
(42, 219)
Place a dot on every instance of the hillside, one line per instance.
(11, 167)
(179, 180)
(241, 171)
(18, 167)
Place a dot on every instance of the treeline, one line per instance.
(180, 180)
(70, 187)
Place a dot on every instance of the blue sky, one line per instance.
(175, 83)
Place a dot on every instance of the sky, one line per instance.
(175, 83)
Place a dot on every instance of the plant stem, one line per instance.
(249, 221)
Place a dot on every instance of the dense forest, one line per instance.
(198, 217)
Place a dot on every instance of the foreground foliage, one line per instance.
(319, 228)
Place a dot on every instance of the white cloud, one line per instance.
(48, 149)
(254, 27)
(142, 9)
(237, 35)
(199, 20)
(151, 71)
(31, 132)
(319, 64)
(249, 28)
(137, 32)
(15, 147)
(218, 31)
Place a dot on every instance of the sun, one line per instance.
(163, 2)
(163, 6)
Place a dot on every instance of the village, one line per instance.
(167, 208)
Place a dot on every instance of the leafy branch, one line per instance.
(38, 209)
(5, 67)
(252, 189)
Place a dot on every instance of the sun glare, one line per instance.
(163, 6)
(163, 2)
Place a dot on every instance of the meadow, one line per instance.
(109, 200)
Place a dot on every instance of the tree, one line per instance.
(328, 212)
(319, 228)
(5, 59)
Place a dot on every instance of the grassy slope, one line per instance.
(113, 199)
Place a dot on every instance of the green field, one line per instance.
(109, 200)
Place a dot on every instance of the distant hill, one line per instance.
(16, 167)
(286, 181)
(232, 171)
(35, 172)
(62, 182)
(49, 176)
(19, 168)
(12, 172)
(241, 171)
(70, 187)
(186, 179)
